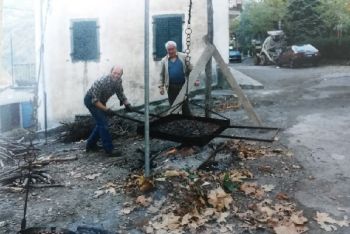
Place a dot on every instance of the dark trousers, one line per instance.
(101, 128)
(173, 91)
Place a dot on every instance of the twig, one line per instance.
(211, 156)
(47, 161)
(47, 185)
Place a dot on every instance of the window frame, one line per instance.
(72, 22)
(154, 43)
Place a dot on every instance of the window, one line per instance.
(166, 28)
(85, 40)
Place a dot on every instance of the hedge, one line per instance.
(332, 47)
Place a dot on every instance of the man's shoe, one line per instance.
(114, 153)
(90, 149)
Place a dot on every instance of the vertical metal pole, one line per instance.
(12, 73)
(42, 48)
(208, 68)
(146, 77)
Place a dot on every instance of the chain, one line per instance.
(188, 32)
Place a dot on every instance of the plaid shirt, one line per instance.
(104, 88)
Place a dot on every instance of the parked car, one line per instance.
(298, 55)
(235, 56)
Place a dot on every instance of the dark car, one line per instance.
(235, 56)
(298, 55)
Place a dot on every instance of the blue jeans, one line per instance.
(101, 128)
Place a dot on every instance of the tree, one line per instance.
(336, 16)
(258, 17)
(303, 21)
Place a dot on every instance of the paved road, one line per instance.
(313, 104)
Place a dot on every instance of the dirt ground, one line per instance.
(305, 170)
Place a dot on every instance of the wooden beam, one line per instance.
(198, 68)
(208, 67)
(236, 88)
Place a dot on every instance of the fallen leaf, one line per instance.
(98, 193)
(282, 196)
(145, 184)
(219, 199)
(142, 200)
(92, 176)
(268, 187)
(253, 190)
(149, 230)
(240, 175)
(175, 173)
(111, 190)
(285, 229)
(171, 221)
(127, 210)
(326, 222)
(222, 217)
(298, 218)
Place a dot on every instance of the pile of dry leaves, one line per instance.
(197, 201)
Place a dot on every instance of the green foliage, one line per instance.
(259, 17)
(336, 16)
(303, 21)
(228, 185)
(333, 47)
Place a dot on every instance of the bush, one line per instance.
(333, 48)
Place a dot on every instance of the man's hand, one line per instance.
(129, 108)
(161, 90)
(109, 112)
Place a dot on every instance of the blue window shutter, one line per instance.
(85, 45)
(167, 28)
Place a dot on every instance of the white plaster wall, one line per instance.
(121, 41)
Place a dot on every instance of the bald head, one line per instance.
(117, 72)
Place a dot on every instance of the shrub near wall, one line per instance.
(333, 48)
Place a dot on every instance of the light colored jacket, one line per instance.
(164, 72)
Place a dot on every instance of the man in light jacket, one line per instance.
(173, 74)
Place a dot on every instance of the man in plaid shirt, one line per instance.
(95, 100)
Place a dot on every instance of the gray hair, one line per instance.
(170, 43)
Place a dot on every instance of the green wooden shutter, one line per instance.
(167, 28)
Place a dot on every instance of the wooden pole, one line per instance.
(208, 67)
(236, 88)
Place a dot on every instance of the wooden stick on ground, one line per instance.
(211, 156)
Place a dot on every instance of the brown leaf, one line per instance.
(143, 201)
(285, 229)
(145, 184)
(282, 196)
(253, 190)
(174, 173)
(219, 199)
(240, 175)
(290, 228)
(298, 218)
